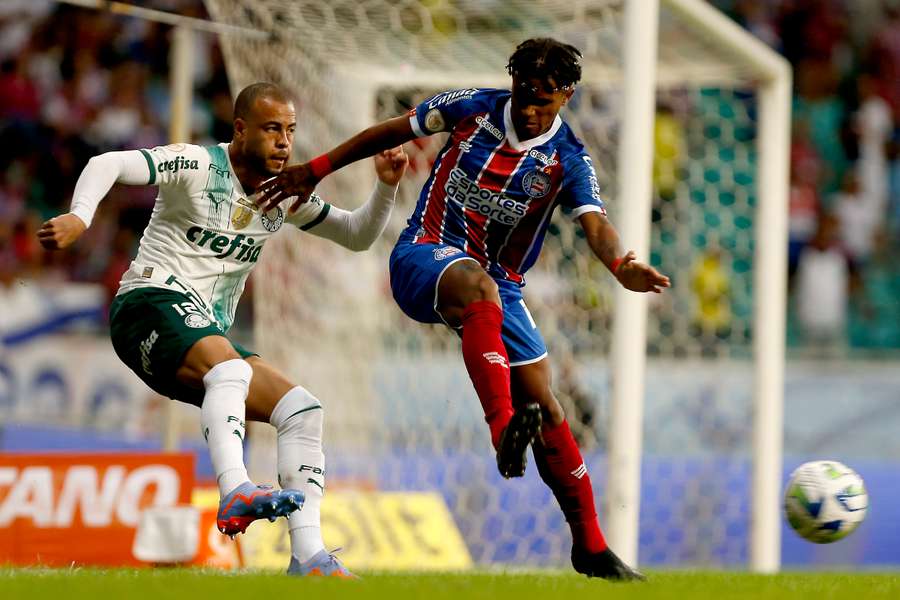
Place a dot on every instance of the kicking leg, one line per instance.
(213, 364)
(468, 297)
(562, 468)
(297, 416)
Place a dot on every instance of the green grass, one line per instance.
(75, 584)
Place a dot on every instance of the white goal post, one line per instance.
(770, 276)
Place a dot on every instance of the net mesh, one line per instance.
(400, 411)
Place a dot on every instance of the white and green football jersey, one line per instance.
(204, 233)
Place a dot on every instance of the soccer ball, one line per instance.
(825, 501)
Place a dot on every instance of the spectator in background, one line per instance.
(75, 83)
(822, 284)
(893, 169)
(884, 56)
(857, 214)
(817, 103)
(712, 297)
(803, 198)
(669, 151)
(873, 124)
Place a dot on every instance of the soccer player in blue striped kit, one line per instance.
(477, 228)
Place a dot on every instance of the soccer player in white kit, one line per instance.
(177, 300)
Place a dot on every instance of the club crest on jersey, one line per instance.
(197, 321)
(536, 184)
(272, 220)
(446, 252)
(434, 120)
(241, 217)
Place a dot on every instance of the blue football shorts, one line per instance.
(416, 271)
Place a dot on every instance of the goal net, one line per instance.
(401, 414)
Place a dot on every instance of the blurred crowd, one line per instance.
(76, 82)
(844, 221)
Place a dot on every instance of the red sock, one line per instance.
(487, 363)
(562, 468)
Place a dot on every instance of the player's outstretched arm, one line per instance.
(603, 239)
(300, 180)
(358, 230)
(96, 179)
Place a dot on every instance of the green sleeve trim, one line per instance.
(150, 165)
(325, 208)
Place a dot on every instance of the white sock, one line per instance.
(298, 417)
(222, 420)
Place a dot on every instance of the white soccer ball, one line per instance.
(825, 501)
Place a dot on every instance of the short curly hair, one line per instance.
(546, 59)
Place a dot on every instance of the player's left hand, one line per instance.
(297, 181)
(390, 165)
(639, 277)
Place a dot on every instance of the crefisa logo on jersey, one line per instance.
(536, 183)
(272, 220)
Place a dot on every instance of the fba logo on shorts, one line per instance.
(196, 321)
(446, 252)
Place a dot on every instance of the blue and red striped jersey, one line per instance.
(490, 194)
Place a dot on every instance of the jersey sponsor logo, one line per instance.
(272, 220)
(145, 347)
(241, 217)
(489, 127)
(450, 97)
(434, 120)
(592, 179)
(225, 246)
(542, 158)
(536, 184)
(197, 321)
(496, 206)
(446, 252)
(178, 164)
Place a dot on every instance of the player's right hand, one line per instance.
(60, 232)
(297, 181)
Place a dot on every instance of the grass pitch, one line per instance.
(156, 584)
